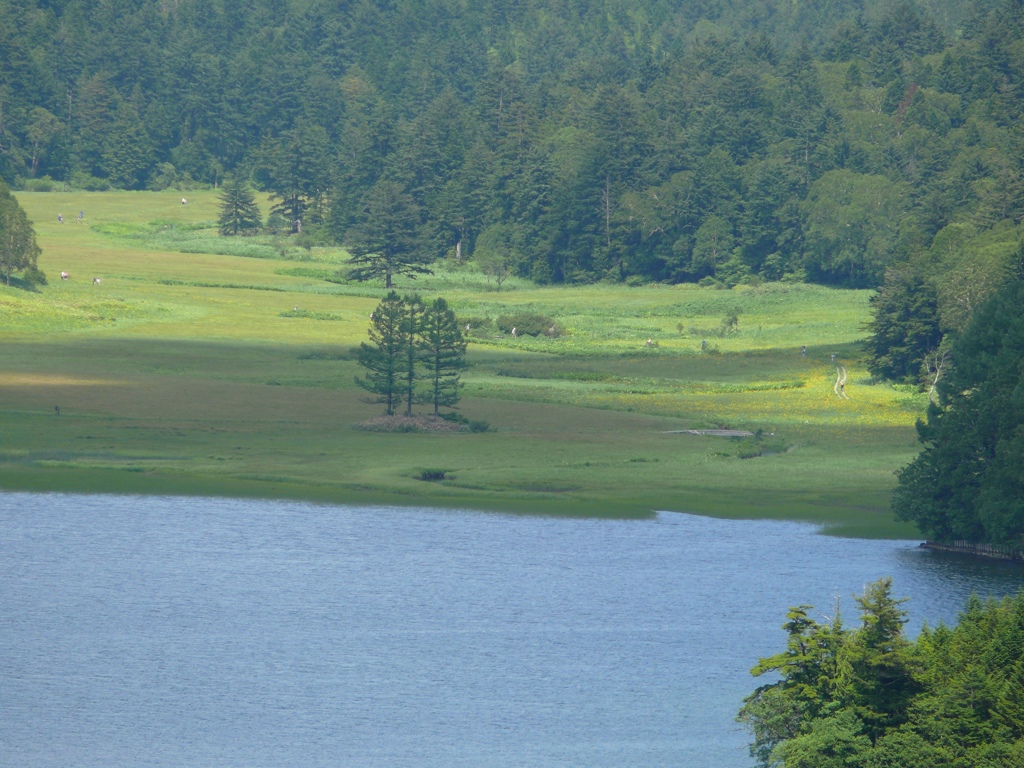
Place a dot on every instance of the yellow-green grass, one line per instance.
(193, 373)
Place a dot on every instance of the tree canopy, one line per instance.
(606, 139)
(18, 249)
(968, 482)
(869, 697)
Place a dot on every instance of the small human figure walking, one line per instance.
(56, 409)
(81, 215)
(60, 217)
(833, 357)
(803, 351)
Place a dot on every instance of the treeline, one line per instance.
(870, 698)
(580, 139)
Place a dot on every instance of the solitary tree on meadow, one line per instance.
(238, 210)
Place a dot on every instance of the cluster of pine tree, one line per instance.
(415, 355)
(870, 698)
(579, 140)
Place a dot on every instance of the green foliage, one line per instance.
(442, 354)
(18, 248)
(904, 326)
(386, 241)
(497, 254)
(967, 483)
(633, 143)
(528, 324)
(412, 343)
(385, 358)
(239, 213)
(852, 226)
(950, 698)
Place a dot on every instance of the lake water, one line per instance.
(213, 632)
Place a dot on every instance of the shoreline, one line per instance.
(121, 483)
(990, 551)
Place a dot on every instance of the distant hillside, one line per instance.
(626, 140)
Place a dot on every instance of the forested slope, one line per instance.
(623, 139)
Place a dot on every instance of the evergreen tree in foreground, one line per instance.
(239, 213)
(385, 358)
(442, 351)
(18, 248)
(871, 698)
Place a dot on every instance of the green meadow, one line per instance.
(209, 365)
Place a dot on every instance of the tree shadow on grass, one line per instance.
(25, 284)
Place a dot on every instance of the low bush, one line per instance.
(81, 180)
(34, 276)
(44, 184)
(529, 324)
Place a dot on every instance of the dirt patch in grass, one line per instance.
(410, 424)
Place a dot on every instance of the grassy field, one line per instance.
(206, 365)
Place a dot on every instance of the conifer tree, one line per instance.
(127, 151)
(385, 358)
(411, 321)
(238, 210)
(442, 350)
(386, 241)
(966, 484)
(905, 324)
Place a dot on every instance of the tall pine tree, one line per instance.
(442, 351)
(386, 241)
(239, 213)
(410, 331)
(385, 358)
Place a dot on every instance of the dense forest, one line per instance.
(619, 139)
(869, 697)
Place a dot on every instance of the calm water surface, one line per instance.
(211, 632)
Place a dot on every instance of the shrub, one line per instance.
(44, 184)
(82, 180)
(530, 324)
(34, 276)
(477, 325)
